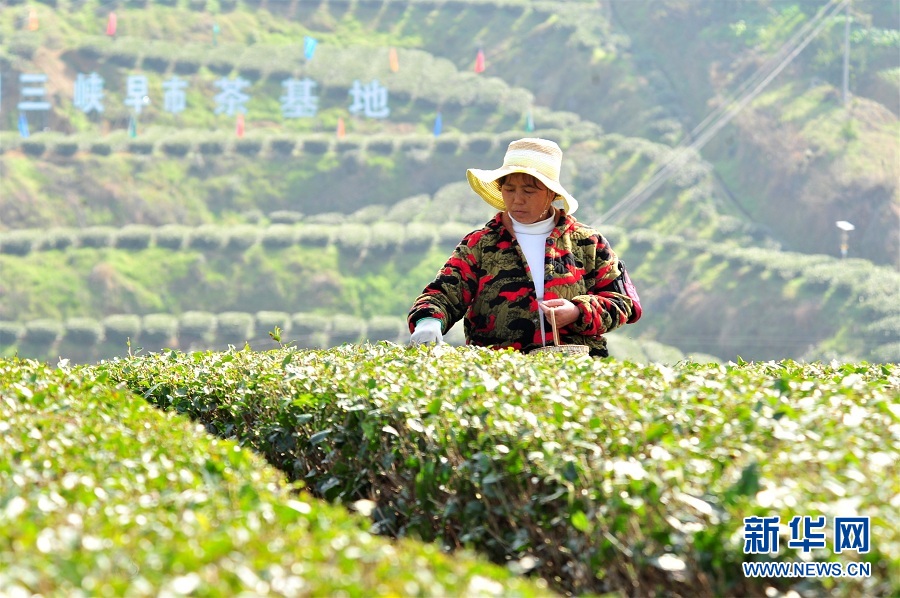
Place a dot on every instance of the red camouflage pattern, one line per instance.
(488, 282)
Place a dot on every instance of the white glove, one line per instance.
(428, 330)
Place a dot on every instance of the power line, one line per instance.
(705, 131)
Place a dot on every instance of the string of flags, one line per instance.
(368, 99)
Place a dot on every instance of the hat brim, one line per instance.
(484, 183)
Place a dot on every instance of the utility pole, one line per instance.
(846, 92)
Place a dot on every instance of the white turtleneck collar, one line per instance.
(542, 227)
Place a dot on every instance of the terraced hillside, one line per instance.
(186, 218)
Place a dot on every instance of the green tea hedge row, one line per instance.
(85, 340)
(280, 145)
(103, 495)
(383, 238)
(856, 293)
(599, 476)
(875, 288)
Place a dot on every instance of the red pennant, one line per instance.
(111, 24)
(239, 129)
(479, 62)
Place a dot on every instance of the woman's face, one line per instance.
(526, 198)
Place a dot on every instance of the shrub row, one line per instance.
(385, 237)
(876, 288)
(600, 476)
(105, 495)
(176, 145)
(86, 339)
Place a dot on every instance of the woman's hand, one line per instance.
(428, 330)
(566, 311)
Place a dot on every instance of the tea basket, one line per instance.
(558, 347)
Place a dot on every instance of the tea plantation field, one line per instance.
(572, 475)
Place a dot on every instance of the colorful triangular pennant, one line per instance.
(438, 124)
(309, 46)
(394, 60)
(341, 128)
(23, 125)
(239, 127)
(479, 61)
(111, 24)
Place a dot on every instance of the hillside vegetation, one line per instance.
(57, 301)
(185, 217)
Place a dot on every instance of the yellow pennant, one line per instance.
(394, 60)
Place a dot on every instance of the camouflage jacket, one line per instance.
(487, 281)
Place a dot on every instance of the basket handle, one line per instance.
(553, 325)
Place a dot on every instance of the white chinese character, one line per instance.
(34, 92)
(136, 89)
(371, 99)
(174, 99)
(231, 99)
(88, 92)
(298, 100)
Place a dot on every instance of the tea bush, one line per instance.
(158, 331)
(97, 237)
(172, 236)
(599, 476)
(105, 495)
(234, 328)
(196, 328)
(84, 332)
(134, 237)
(10, 333)
(19, 242)
(58, 239)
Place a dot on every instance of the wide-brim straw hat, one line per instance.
(540, 158)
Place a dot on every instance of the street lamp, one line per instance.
(845, 227)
